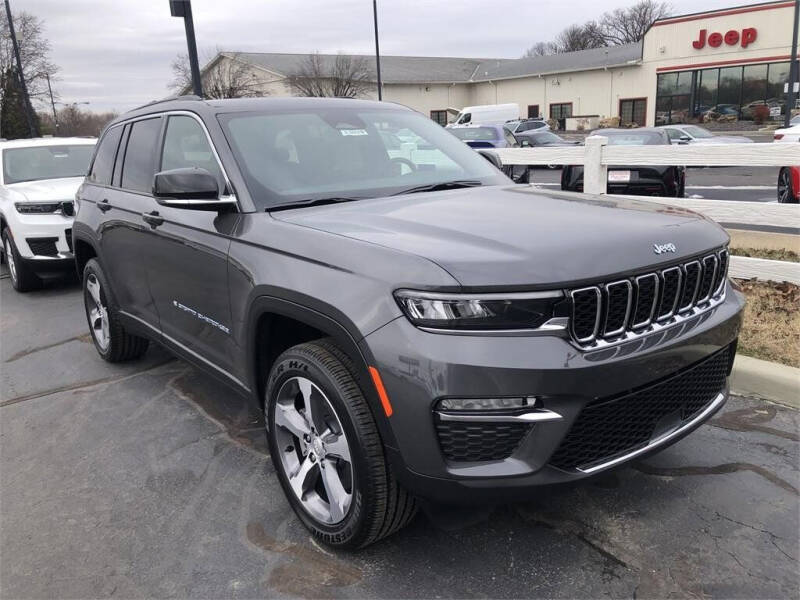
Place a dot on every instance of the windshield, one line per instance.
(475, 133)
(341, 152)
(46, 162)
(698, 132)
(795, 120)
(634, 139)
(545, 137)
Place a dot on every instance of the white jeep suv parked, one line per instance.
(38, 181)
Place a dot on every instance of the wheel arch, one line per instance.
(84, 250)
(276, 324)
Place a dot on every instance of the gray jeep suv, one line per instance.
(413, 325)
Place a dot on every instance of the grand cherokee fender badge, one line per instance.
(662, 248)
(200, 316)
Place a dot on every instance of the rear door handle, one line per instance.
(103, 205)
(153, 218)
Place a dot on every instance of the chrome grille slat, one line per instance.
(620, 310)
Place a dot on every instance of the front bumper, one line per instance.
(418, 368)
(41, 238)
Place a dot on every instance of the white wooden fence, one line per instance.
(596, 156)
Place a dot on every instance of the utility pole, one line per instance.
(377, 49)
(793, 67)
(20, 77)
(53, 104)
(183, 8)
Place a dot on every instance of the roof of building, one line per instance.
(435, 69)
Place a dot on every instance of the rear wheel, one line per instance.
(22, 277)
(786, 192)
(326, 449)
(111, 340)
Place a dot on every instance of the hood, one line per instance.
(506, 236)
(47, 190)
(724, 139)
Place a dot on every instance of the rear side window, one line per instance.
(104, 160)
(186, 145)
(139, 167)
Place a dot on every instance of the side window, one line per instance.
(139, 166)
(674, 135)
(186, 145)
(104, 159)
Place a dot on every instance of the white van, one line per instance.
(487, 114)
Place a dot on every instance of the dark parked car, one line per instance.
(789, 185)
(412, 326)
(639, 181)
(543, 139)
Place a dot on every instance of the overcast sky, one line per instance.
(116, 54)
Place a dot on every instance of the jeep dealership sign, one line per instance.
(733, 37)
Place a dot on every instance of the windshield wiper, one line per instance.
(436, 187)
(312, 202)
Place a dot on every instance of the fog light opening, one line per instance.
(488, 404)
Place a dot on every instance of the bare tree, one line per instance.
(614, 28)
(346, 77)
(34, 49)
(628, 25)
(73, 121)
(226, 76)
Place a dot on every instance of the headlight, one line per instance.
(484, 312)
(37, 208)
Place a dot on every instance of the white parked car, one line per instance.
(38, 181)
(693, 134)
(791, 133)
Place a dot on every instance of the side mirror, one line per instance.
(492, 157)
(191, 188)
(684, 139)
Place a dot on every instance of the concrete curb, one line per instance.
(767, 380)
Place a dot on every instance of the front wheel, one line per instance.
(326, 449)
(22, 277)
(786, 192)
(112, 341)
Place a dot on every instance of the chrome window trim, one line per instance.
(692, 302)
(598, 313)
(655, 303)
(616, 332)
(677, 300)
(718, 401)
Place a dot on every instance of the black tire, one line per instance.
(121, 345)
(379, 506)
(786, 192)
(22, 277)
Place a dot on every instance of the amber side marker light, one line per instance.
(376, 379)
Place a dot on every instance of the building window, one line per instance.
(633, 110)
(749, 92)
(440, 116)
(561, 112)
(533, 111)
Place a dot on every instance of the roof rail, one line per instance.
(169, 99)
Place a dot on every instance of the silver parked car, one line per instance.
(694, 134)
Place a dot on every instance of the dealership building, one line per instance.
(730, 64)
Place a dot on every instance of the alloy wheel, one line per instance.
(314, 451)
(12, 265)
(784, 187)
(98, 312)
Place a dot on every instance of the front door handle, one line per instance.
(153, 218)
(103, 205)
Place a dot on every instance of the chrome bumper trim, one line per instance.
(716, 403)
(535, 416)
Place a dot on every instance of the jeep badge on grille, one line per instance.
(662, 248)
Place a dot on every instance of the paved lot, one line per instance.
(150, 479)
(755, 184)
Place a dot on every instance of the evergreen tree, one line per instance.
(13, 121)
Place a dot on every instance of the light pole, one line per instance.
(52, 103)
(183, 8)
(377, 49)
(793, 67)
(20, 77)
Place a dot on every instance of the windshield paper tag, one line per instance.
(353, 132)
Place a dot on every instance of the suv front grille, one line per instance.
(619, 309)
(476, 441)
(610, 427)
(45, 246)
